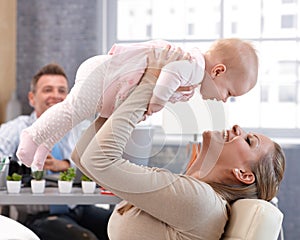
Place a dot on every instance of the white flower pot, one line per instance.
(88, 187)
(13, 186)
(65, 186)
(38, 186)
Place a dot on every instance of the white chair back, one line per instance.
(253, 219)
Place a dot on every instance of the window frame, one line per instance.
(109, 37)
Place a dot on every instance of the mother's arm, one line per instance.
(85, 139)
(153, 70)
(149, 189)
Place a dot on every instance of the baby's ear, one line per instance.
(218, 69)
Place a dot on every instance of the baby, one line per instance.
(228, 68)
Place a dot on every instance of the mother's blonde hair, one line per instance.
(268, 175)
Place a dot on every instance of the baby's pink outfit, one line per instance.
(102, 83)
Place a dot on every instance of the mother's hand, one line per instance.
(155, 64)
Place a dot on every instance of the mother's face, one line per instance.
(230, 153)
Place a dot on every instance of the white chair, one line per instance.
(275, 202)
(11, 229)
(253, 219)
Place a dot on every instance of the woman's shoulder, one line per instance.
(201, 190)
(199, 199)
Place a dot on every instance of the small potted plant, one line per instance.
(13, 183)
(38, 183)
(65, 181)
(87, 184)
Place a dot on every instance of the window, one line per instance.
(289, 1)
(191, 29)
(288, 21)
(234, 27)
(287, 93)
(264, 93)
(149, 31)
(272, 27)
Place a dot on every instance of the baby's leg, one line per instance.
(81, 103)
(27, 148)
(39, 158)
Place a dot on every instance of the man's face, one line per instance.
(50, 89)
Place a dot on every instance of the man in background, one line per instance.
(49, 87)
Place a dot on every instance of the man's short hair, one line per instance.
(49, 69)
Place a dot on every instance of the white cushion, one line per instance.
(11, 229)
(253, 219)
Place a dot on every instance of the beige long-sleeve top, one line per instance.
(167, 206)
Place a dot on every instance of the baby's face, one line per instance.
(222, 87)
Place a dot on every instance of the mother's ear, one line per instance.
(244, 176)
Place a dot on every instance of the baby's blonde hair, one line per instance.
(237, 55)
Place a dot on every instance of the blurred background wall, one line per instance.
(65, 32)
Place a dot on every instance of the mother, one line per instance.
(159, 204)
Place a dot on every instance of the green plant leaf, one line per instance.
(86, 178)
(14, 177)
(38, 175)
(67, 175)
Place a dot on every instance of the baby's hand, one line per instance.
(187, 88)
